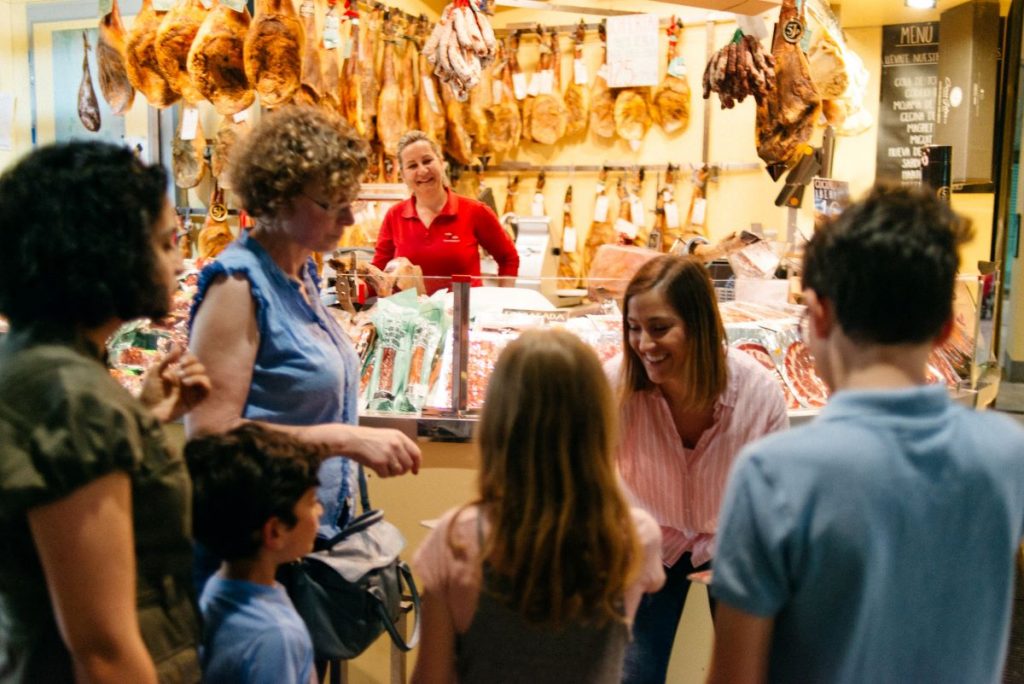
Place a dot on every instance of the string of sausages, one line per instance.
(739, 69)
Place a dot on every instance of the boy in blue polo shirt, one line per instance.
(877, 543)
(255, 505)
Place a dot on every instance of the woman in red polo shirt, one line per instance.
(436, 229)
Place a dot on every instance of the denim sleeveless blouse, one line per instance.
(306, 370)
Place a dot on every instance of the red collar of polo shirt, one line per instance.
(450, 208)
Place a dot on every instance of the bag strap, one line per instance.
(364, 492)
(399, 641)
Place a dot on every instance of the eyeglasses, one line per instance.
(341, 211)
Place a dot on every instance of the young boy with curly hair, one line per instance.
(255, 505)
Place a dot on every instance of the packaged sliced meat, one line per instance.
(756, 342)
(797, 366)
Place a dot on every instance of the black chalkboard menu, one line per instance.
(906, 110)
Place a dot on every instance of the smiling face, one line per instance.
(657, 336)
(422, 168)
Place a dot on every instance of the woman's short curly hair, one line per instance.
(76, 223)
(291, 148)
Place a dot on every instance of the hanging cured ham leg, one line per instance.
(88, 107)
(173, 40)
(110, 60)
(273, 52)
(141, 62)
(216, 60)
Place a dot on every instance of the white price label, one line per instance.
(332, 31)
(603, 71)
(569, 240)
(519, 85)
(189, 123)
(428, 88)
(579, 72)
(537, 207)
(163, 5)
(307, 8)
(700, 207)
(636, 211)
(672, 215)
(241, 116)
(346, 48)
(601, 209)
(236, 5)
(533, 90)
(677, 67)
(207, 4)
(624, 227)
(547, 82)
(106, 7)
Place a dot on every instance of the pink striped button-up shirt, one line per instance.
(682, 488)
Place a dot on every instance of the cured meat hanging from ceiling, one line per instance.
(504, 126)
(577, 95)
(431, 118)
(352, 103)
(88, 107)
(273, 51)
(216, 60)
(174, 37)
(549, 117)
(670, 104)
(311, 82)
(330, 61)
(117, 90)
(141, 63)
(602, 102)
(786, 117)
(460, 46)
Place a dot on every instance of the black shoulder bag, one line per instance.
(351, 590)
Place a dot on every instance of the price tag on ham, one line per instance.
(332, 31)
(428, 88)
(241, 116)
(163, 5)
(601, 209)
(677, 67)
(672, 215)
(189, 123)
(307, 9)
(537, 207)
(636, 211)
(519, 85)
(602, 71)
(579, 72)
(700, 208)
(624, 227)
(105, 7)
(236, 5)
(569, 240)
(533, 90)
(346, 49)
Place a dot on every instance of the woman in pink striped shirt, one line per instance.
(688, 404)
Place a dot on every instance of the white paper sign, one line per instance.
(626, 228)
(636, 211)
(700, 207)
(533, 90)
(332, 31)
(579, 72)
(428, 88)
(601, 209)
(569, 240)
(671, 215)
(633, 50)
(519, 88)
(189, 123)
(6, 121)
(537, 208)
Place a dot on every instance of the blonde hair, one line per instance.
(289, 149)
(686, 287)
(561, 546)
(414, 136)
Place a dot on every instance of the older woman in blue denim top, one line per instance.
(273, 352)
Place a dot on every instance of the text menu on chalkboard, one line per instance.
(906, 111)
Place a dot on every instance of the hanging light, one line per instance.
(920, 4)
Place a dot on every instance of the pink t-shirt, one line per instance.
(457, 578)
(683, 488)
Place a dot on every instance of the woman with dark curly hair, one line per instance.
(93, 585)
(274, 353)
